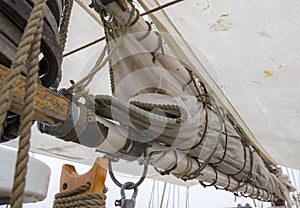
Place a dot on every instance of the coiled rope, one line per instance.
(76, 198)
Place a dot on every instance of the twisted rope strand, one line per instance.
(65, 21)
(77, 198)
(30, 42)
(18, 63)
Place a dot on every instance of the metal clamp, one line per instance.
(133, 185)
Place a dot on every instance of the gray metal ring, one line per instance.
(128, 185)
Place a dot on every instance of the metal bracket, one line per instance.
(99, 5)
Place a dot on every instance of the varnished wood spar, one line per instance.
(49, 106)
(95, 176)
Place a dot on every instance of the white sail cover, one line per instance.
(152, 80)
(250, 50)
(255, 55)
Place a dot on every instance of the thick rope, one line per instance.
(151, 106)
(76, 198)
(30, 43)
(65, 21)
(18, 63)
(80, 87)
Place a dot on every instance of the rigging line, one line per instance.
(163, 195)
(64, 25)
(103, 38)
(161, 7)
(152, 194)
(84, 46)
(187, 197)
(89, 11)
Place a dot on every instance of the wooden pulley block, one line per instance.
(96, 176)
(17, 13)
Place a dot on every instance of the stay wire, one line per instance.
(163, 195)
(151, 195)
(103, 38)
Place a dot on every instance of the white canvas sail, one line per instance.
(251, 53)
(245, 41)
(247, 79)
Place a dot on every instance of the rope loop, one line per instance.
(214, 181)
(79, 199)
(169, 170)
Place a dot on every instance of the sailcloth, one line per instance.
(253, 48)
(161, 95)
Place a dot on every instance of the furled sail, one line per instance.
(168, 106)
(253, 49)
(161, 100)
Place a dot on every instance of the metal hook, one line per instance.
(100, 8)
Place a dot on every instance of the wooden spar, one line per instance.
(49, 106)
(85, 6)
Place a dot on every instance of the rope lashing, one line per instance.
(151, 106)
(29, 44)
(76, 198)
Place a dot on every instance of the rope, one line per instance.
(76, 198)
(30, 43)
(81, 85)
(151, 106)
(163, 195)
(65, 21)
(152, 195)
(84, 46)
(161, 7)
(18, 63)
(103, 38)
(112, 32)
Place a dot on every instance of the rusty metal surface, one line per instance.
(18, 12)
